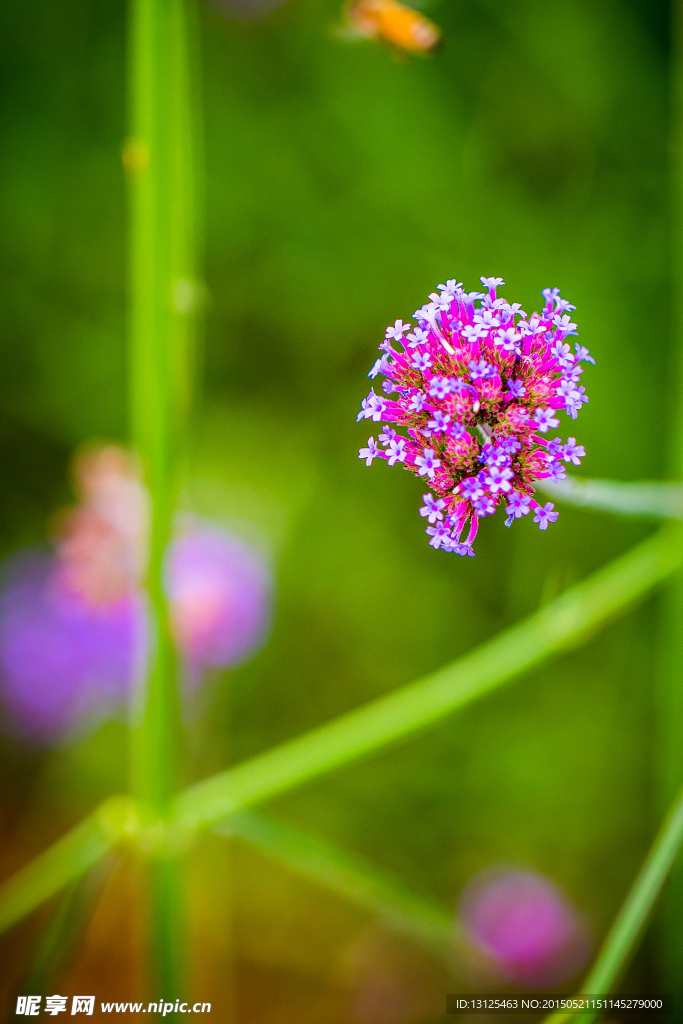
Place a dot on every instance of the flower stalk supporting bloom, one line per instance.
(477, 385)
(160, 160)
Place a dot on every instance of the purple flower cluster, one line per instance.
(67, 661)
(478, 385)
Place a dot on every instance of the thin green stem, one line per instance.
(649, 499)
(159, 159)
(633, 916)
(348, 876)
(560, 625)
(59, 943)
(115, 821)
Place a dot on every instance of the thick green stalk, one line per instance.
(154, 392)
(560, 625)
(159, 160)
(633, 916)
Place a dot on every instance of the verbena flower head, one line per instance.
(478, 387)
(525, 927)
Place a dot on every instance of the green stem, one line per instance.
(153, 390)
(649, 499)
(348, 876)
(67, 859)
(159, 159)
(59, 943)
(557, 627)
(632, 918)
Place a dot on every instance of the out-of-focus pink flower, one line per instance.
(72, 622)
(523, 924)
(219, 589)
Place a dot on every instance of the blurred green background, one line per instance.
(341, 186)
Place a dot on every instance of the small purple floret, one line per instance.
(481, 370)
(428, 463)
(516, 388)
(545, 420)
(573, 452)
(371, 452)
(432, 508)
(545, 515)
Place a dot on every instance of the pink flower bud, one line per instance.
(525, 926)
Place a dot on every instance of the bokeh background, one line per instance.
(342, 185)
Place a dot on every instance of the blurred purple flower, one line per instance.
(525, 926)
(72, 623)
(63, 660)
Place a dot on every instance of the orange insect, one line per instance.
(392, 22)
